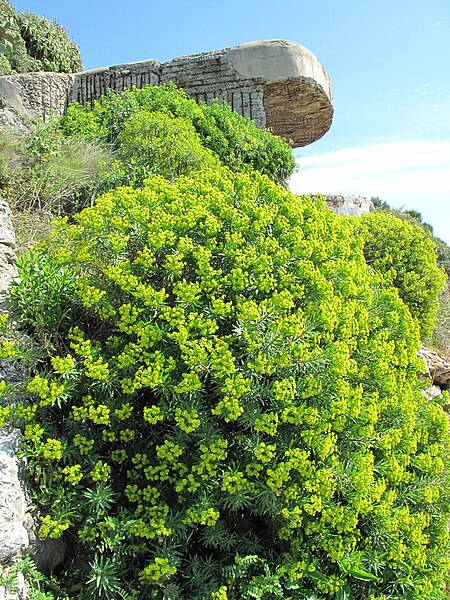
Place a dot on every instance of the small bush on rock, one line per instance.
(237, 414)
(39, 44)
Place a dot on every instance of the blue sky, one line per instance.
(388, 62)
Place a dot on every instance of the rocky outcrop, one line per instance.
(13, 534)
(32, 95)
(347, 205)
(14, 538)
(18, 527)
(278, 84)
(7, 256)
(436, 368)
(432, 392)
(16, 589)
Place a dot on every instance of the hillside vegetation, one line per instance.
(222, 400)
(440, 337)
(30, 43)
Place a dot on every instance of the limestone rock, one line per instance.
(347, 205)
(432, 392)
(7, 271)
(7, 257)
(436, 368)
(13, 539)
(7, 235)
(13, 535)
(16, 590)
(11, 119)
(33, 95)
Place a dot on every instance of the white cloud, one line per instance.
(376, 169)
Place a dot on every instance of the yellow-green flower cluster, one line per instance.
(206, 516)
(48, 392)
(52, 528)
(242, 384)
(101, 472)
(52, 449)
(73, 474)
(63, 364)
(187, 420)
(157, 571)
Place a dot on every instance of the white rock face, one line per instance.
(351, 206)
(13, 535)
(432, 392)
(16, 590)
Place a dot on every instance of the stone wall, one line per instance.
(278, 84)
(91, 85)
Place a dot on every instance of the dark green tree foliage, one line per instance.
(38, 44)
(236, 414)
(405, 255)
(235, 140)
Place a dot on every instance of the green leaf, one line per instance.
(317, 575)
(362, 575)
(292, 585)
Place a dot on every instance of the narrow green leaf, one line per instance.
(362, 575)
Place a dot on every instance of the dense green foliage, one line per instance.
(415, 218)
(235, 140)
(440, 340)
(406, 255)
(154, 143)
(223, 400)
(228, 405)
(34, 43)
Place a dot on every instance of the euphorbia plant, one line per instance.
(233, 411)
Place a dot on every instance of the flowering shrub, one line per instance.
(234, 140)
(237, 414)
(156, 143)
(406, 255)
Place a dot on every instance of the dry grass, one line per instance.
(30, 227)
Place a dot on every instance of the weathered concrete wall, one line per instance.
(278, 84)
(211, 76)
(91, 85)
(297, 95)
